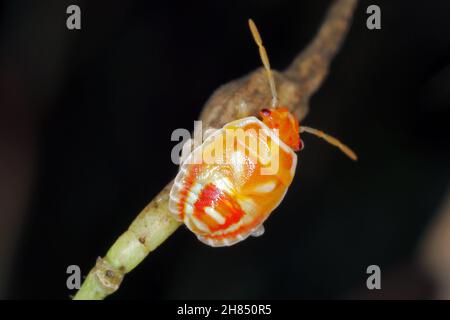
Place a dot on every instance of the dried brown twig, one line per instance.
(237, 99)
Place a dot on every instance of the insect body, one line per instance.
(225, 201)
(228, 186)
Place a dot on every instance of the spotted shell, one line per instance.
(226, 201)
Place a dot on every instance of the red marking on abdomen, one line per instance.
(220, 201)
(189, 181)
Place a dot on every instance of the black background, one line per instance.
(95, 109)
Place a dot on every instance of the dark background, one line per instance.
(86, 118)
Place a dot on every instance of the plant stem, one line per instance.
(150, 228)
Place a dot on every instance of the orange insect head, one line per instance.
(286, 124)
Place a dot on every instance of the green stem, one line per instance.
(150, 228)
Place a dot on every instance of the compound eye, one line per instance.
(265, 112)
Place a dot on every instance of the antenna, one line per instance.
(265, 61)
(331, 140)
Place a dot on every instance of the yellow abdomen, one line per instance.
(227, 187)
